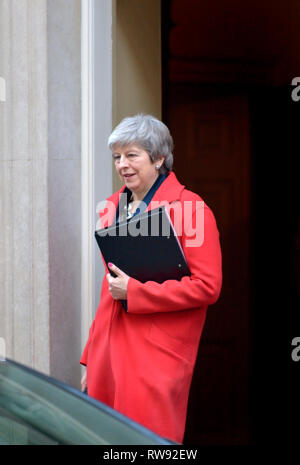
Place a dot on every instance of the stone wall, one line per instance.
(40, 185)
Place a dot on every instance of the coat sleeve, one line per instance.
(200, 289)
(84, 357)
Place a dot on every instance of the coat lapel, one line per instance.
(169, 191)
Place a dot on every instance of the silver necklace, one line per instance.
(128, 209)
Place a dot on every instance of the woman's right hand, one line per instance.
(83, 381)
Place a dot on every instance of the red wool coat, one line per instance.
(141, 362)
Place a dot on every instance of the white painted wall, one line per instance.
(96, 57)
(137, 61)
(121, 75)
(2, 89)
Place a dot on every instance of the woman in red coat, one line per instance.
(140, 360)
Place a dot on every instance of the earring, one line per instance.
(157, 167)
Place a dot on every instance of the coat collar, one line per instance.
(170, 191)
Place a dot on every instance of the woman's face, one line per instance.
(135, 168)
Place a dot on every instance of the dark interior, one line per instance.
(228, 68)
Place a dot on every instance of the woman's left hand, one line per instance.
(117, 286)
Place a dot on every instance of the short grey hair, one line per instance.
(149, 133)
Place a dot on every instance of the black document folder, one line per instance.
(145, 247)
